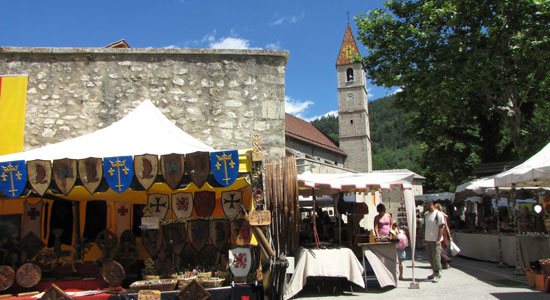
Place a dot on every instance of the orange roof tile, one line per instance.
(306, 132)
(348, 48)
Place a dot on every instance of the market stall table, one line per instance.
(340, 262)
(485, 247)
(532, 248)
(382, 257)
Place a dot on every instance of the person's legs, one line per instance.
(400, 269)
(430, 252)
(436, 263)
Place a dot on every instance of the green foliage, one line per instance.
(328, 125)
(474, 75)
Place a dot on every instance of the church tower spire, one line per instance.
(353, 111)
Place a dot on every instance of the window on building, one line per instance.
(349, 75)
(351, 121)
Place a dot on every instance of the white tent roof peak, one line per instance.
(533, 172)
(145, 130)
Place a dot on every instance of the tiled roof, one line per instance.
(304, 131)
(348, 48)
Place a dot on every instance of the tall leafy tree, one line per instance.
(474, 75)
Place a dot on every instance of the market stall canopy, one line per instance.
(329, 184)
(144, 130)
(533, 172)
(435, 197)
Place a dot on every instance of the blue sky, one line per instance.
(311, 30)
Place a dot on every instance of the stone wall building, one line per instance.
(221, 97)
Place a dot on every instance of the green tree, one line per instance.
(474, 75)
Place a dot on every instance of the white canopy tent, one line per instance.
(328, 184)
(533, 172)
(435, 197)
(144, 130)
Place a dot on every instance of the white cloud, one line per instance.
(230, 43)
(171, 47)
(296, 107)
(330, 113)
(279, 20)
(273, 46)
(369, 94)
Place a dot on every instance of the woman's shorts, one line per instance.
(401, 254)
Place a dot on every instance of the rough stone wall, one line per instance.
(221, 97)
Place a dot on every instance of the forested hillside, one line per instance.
(392, 148)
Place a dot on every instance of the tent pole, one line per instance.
(500, 263)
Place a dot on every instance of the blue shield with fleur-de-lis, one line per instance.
(118, 172)
(225, 166)
(13, 178)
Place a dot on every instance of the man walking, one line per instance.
(434, 224)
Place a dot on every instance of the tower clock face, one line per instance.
(350, 96)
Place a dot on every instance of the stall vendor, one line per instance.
(382, 224)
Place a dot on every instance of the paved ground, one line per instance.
(467, 279)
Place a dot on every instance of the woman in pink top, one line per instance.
(382, 223)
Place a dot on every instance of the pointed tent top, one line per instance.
(348, 48)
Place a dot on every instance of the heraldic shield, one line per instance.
(172, 167)
(118, 172)
(198, 167)
(158, 204)
(182, 204)
(174, 235)
(231, 203)
(240, 261)
(91, 172)
(198, 233)
(240, 232)
(64, 174)
(204, 203)
(219, 233)
(146, 169)
(225, 166)
(152, 241)
(40, 175)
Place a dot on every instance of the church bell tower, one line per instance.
(353, 111)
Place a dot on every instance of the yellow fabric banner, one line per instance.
(13, 96)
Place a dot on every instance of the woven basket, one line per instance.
(211, 282)
(160, 285)
(545, 266)
(531, 277)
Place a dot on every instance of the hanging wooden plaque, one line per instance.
(172, 168)
(146, 169)
(90, 171)
(64, 174)
(198, 167)
(39, 173)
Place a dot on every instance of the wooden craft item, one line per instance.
(31, 245)
(193, 291)
(158, 204)
(198, 167)
(118, 172)
(149, 295)
(240, 261)
(28, 275)
(39, 173)
(113, 273)
(209, 256)
(182, 204)
(198, 233)
(126, 253)
(13, 178)
(32, 218)
(259, 218)
(7, 277)
(55, 293)
(172, 168)
(91, 172)
(64, 174)
(204, 203)
(231, 201)
(152, 241)
(146, 169)
(189, 257)
(225, 166)
(240, 232)
(106, 241)
(47, 260)
(219, 233)
(174, 235)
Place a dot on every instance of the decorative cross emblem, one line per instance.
(10, 169)
(240, 260)
(158, 204)
(232, 201)
(117, 164)
(33, 213)
(122, 210)
(225, 158)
